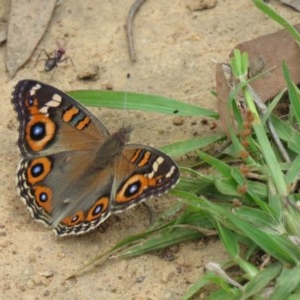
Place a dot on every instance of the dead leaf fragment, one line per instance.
(266, 54)
(293, 3)
(3, 31)
(27, 23)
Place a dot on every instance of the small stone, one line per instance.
(20, 287)
(39, 249)
(213, 126)
(32, 258)
(109, 86)
(194, 5)
(6, 286)
(178, 121)
(47, 274)
(61, 255)
(167, 275)
(140, 279)
(89, 72)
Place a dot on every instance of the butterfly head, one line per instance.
(123, 134)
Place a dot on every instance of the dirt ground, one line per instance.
(176, 54)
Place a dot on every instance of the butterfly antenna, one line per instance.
(174, 112)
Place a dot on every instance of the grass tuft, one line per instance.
(250, 199)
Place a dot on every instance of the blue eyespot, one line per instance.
(37, 170)
(74, 219)
(30, 101)
(159, 180)
(133, 188)
(38, 131)
(97, 210)
(43, 197)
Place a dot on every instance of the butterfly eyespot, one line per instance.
(97, 210)
(74, 219)
(37, 170)
(30, 101)
(38, 131)
(159, 180)
(133, 188)
(43, 197)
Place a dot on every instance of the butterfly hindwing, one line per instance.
(141, 172)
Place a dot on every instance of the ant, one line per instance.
(51, 62)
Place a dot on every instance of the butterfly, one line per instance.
(73, 174)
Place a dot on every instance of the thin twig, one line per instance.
(129, 27)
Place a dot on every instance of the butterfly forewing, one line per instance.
(51, 121)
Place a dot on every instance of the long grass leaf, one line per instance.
(286, 283)
(262, 280)
(294, 94)
(266, 9)
(115, 99)
(184, 147)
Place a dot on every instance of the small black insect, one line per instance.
(52, 61)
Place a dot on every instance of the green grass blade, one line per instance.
(229, 240)
(262, 280)
(292, 174)
(181, 148)
(219, 165)
(276, 245)
(262, 138)
(272, 106)
(287, 133)
(266, 9)
(135, 101)
(286, 283)
(294, 93)
(163, 239)
(195, 288)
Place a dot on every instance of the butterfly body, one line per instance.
(74, 174)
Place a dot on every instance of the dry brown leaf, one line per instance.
(27, 24)
(266, 54)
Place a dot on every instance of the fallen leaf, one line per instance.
(27, 24)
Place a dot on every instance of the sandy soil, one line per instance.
(176, 54)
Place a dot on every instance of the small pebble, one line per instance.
(178, 121)
(194, 5)
(47, 274)
(89, 72)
